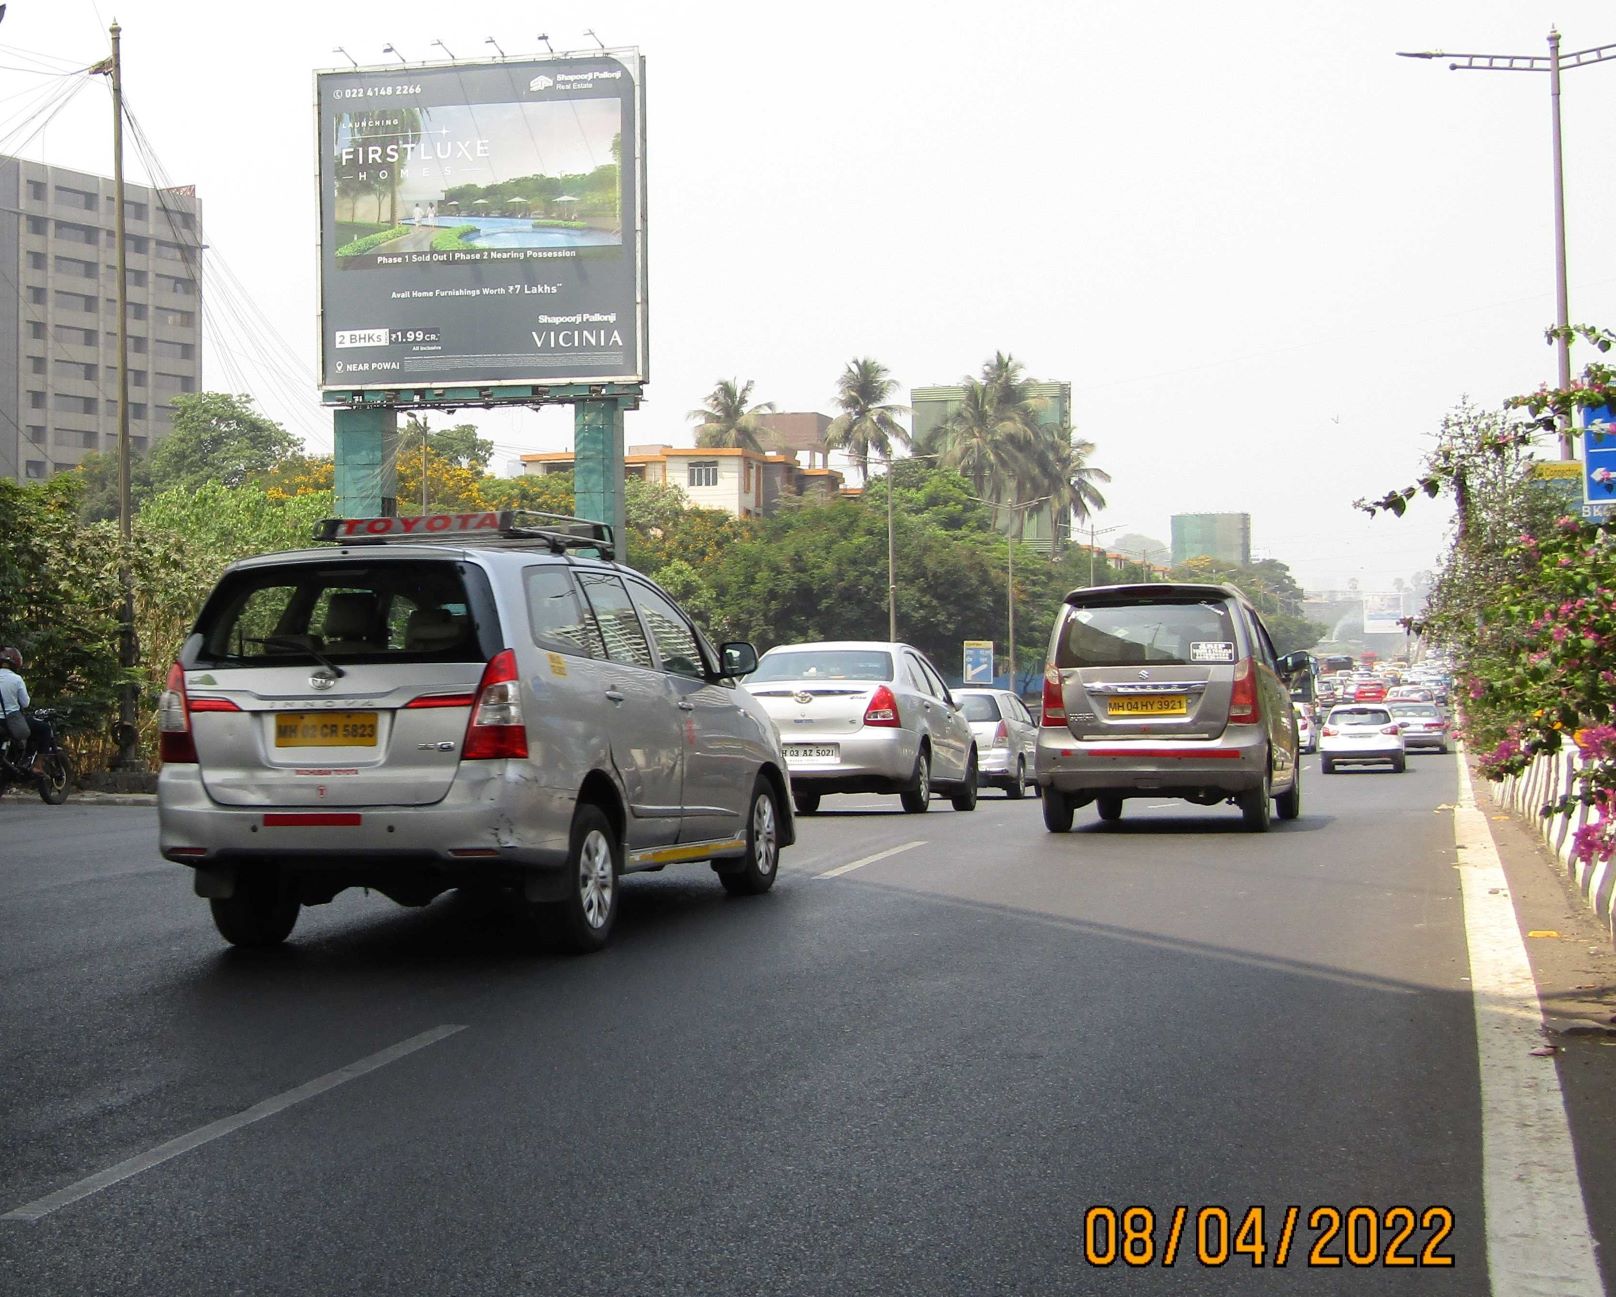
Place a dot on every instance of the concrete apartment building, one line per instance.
(740, 482)
(59, 336)
(932, 407)
(1223, 536)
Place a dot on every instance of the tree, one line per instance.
(97, 474)
(1064, 476)
(725, 419)
(217, 437)
(868, 419)
(993, 436)
(459, 445)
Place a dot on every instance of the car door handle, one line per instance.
(614, 695)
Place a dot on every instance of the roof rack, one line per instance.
(558, 532)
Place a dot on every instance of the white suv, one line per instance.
(458, 701)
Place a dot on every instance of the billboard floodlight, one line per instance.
(388, 49)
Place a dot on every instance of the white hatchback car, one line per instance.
(1361, 734)
(1006, 739)
(866, 716)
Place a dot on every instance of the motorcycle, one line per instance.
(15, 770)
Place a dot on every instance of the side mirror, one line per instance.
(737, 658)
(1293, 664)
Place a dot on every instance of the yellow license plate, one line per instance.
(1150, 705)
(325, 730)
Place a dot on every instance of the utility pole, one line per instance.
(1552, 64)
(128, 656)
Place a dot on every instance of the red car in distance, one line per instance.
(1369, 691)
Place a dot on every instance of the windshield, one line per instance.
(336, 612)
(823, 664)
(1424, 710)
(1360, 716)
(979, 707)
(1134, 634)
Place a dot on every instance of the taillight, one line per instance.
(1001, 736)
(883, 708)
(1054, 708)
(1391, 729)
(496, 729)
(175, 744)
(1329, 732)
(1243, 696)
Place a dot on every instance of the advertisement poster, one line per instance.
(480, 224)
(1383, 614)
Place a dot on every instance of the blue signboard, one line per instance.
(978, 662)
(1598, 462)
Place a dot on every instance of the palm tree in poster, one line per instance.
(725, 419)
(868, 420)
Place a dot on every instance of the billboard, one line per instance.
(483, 223)
(1383, 614)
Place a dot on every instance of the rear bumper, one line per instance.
(1360, 756)
(869, 761)
(493, 823)
(1233, 763)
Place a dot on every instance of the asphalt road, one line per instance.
(922, 1074)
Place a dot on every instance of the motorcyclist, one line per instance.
(14, 698)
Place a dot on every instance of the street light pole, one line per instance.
(892, 571)
(1552, 65)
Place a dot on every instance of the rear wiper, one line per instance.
(296, 644)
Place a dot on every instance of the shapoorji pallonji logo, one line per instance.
(541, 83)
(596, 329)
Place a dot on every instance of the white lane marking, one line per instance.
(213, 1130)
(868, 860)
(1538, 1241)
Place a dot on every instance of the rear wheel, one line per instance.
(54, 780)
(1327, 766)
(965, 794)
(1110, 808)
(917, 797)
(1018, 787)
(1399, 764)
(261, 912)
(762, 860)
(1257, 805)
(1289, 804)
(806, 803)
(1057, 811)
(588, 912)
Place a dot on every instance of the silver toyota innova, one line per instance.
(458, 701)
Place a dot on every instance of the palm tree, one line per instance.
(993, 438)
(868, 420)
(1067, 479)
(726, 419)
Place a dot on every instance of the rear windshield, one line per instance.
(824, 664)
(1425, 710)
(979, 707)
(1133, 634)
(1360, 716)
(417, 610)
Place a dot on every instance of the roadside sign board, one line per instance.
(1598, 462)
(1563, 477)
(978, 662)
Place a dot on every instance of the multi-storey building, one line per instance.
(932, 407)
(1223, 536)
(59, 336)
(741, 482)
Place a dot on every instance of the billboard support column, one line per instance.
(597, 477)
(365, 456)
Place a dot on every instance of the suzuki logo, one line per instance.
(1144, 675)
(322, 680)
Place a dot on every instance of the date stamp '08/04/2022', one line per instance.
(1321, 1236)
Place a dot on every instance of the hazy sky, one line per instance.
(1268, 255)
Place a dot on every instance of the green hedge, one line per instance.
(373, 240)
(452, 240)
